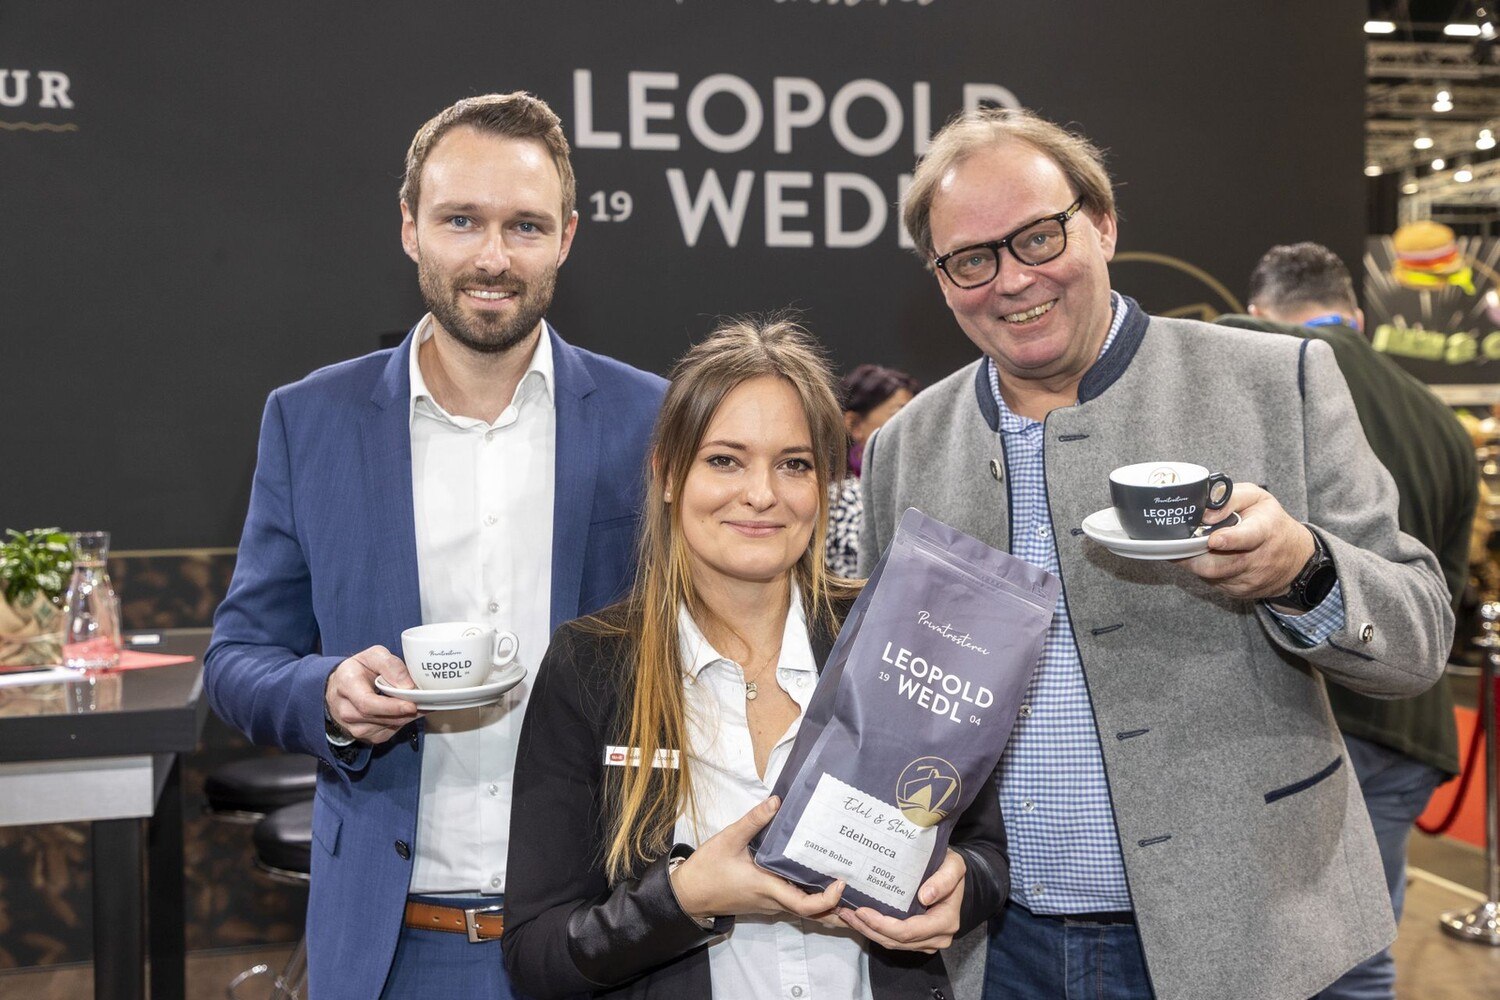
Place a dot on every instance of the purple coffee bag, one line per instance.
(910, 716)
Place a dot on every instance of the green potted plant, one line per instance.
(35, 567)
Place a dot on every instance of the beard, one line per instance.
(486, 333)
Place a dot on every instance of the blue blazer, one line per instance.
(328, 566)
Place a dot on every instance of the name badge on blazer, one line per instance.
(631, 757)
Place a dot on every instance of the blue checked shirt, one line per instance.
(1064, 848)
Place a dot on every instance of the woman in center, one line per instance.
(658, 727)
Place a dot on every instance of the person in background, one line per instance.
(483, 471)
(870, 395)
(1402, 748)
(635, 881)
(1181, 818)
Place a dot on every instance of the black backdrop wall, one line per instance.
(198, 201)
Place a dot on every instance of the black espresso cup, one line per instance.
(1156, 500)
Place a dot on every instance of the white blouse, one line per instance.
(762, 956)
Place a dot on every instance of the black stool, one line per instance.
(243, 791)
(283, 850)
(283, 844)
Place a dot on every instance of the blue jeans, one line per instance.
(1396, 790)
(1046, 958)
(430, 964)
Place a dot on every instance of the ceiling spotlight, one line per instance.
(1486, 139)
(1422, 142)
(1439, 163)
(1410, 187)
(1372, 169)
(1463, 175)
(1443, 104)
(1380, 27)
(1461, 30)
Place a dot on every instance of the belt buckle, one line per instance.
(472, 927)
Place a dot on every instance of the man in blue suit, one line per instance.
(483, 471)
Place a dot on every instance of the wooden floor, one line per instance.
(1430, 964)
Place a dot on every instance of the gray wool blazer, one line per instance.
(1248, 852)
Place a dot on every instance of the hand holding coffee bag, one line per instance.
(910, 716)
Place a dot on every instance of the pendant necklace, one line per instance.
(752, 691)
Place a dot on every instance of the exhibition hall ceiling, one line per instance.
(1432, 104)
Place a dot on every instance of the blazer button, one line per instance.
(1367, 633)
(416, 740)
(938, 994)
(403, 850)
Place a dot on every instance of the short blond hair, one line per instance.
(1080, 160)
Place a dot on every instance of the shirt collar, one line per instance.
(539, 372)
(1013, 422)
(796, 648)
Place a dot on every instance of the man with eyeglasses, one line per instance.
(1182, 819)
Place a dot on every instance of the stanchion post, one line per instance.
(1482, 924)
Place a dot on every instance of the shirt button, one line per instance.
(1043, 530)
(495, 882)
(493, 607)
(1038, 889)
(494, 789)
(489, 436)
(1028, 805)
(802, 682)
(403, 849)
(490, 519)
(796, 991)
(1025, 712)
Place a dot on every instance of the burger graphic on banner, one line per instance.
(1432, 302)
(1427, 257)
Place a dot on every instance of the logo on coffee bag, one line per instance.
(927, 790)
(945, 629)
(934, 688)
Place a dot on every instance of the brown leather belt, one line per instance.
(482, 924)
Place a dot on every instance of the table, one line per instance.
(105, 749)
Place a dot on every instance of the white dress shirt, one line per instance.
(482, 495)
(762, 956)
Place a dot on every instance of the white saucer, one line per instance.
(453, 698)
(1103, 526)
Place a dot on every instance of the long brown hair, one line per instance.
(645, 801)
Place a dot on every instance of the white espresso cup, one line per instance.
(447, 655)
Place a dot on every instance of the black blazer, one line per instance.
(568, 931)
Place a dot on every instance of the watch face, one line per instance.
(1321, 582)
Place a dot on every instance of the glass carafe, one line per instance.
(92, 641)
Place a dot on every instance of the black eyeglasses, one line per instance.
(1034, 243)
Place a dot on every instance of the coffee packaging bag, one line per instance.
(910, 716)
